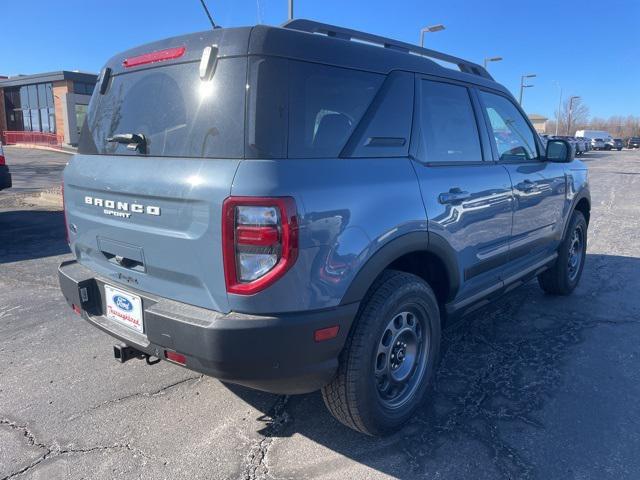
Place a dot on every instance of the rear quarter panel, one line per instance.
(348, 209)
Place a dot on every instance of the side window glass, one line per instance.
(448, 125)
(325, 106)
(513, 136)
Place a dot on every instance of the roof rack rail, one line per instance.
(311, 26)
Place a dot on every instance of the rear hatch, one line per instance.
(148, 214)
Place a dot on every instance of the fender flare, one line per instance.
(583, 194)
(409, 243)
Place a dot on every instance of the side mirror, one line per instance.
(559, 151)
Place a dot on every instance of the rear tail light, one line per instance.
(259, 241)
(2, 160)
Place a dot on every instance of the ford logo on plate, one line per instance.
(122, 303)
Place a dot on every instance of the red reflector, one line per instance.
(175, 357)
(259, 236)
(2, 161)
(76, 309)
(159, 56)
(326, 333)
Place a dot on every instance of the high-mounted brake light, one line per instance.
(259, 241)
(159, 56)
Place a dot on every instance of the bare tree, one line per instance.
(618, 126)
(579, 116)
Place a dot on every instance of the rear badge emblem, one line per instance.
(121, 209)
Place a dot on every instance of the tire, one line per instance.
(619, 149)
(399, 314)
(563, 277)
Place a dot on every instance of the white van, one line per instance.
(598, 138)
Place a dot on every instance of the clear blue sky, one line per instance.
(591, 48)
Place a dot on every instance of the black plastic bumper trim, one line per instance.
(275, 353)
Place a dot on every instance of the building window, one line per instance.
(30, 108)
(83, 88)
(81, 113)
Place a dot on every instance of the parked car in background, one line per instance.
(633, 142)
(601, 134)
(587, 143)
(5, 176)
(581, 145)
(597, 144)
(577, 147)
(544, 138)
(614, 144)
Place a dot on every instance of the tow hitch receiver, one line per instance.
(124, 353)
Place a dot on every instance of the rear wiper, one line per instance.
(133, 141)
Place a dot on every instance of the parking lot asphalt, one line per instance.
(533, 386)
(33, 170)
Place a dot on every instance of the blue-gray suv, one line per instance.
(300, 208)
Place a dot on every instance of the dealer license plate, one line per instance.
(124, 308)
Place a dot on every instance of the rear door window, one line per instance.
(449, 132)
(180, 115)
(325, 105)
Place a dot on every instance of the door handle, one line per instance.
(454, 195)
(527, 186)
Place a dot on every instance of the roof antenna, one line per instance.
(213, 24)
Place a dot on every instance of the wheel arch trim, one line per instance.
(414, 242)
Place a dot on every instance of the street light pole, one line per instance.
(491, 59)
(523, 86)
(432, 28)
(290, 9)
(571, 99)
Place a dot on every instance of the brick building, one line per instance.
(54, 102)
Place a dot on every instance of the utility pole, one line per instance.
(432, 28)
(290, 9)
(523, 86)
(571, 99)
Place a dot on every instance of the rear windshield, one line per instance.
(178, 113)
(293, 109)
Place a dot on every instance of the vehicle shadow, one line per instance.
(592, 155)
(30, 234)
(500, 368)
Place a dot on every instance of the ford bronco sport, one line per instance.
(297, 208)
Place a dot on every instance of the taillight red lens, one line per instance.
(159, 56)
(259, 241)
(258, 236)
(2, 160)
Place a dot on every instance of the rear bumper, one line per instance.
(5, 177)
(276, 354)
